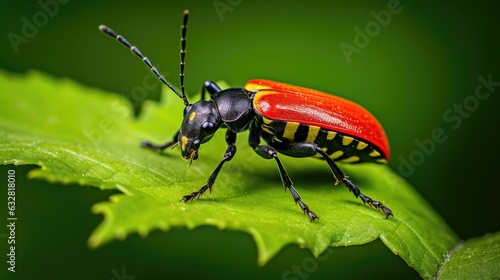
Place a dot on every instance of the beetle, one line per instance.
(291, 120)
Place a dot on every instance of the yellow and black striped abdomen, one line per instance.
(338, 146)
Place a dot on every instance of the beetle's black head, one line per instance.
(201, 121)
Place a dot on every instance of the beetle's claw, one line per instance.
(189, 197)
(386, 211)
(382, 207)
(311, 215)
(197, 194)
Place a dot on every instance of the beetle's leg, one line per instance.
(340, 176)
(287, 182)
(269, 152)
(149, 145)
(310, 149)
(228, 155)
(209, 86)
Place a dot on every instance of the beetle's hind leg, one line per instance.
(340, 176)
(154, 147)
(269, 152)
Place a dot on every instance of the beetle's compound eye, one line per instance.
(208, 127)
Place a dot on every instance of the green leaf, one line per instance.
(477, 258)
(83, 135)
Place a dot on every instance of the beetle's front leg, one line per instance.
(228, 155)
(151, 146)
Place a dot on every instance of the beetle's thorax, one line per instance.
(235, 108)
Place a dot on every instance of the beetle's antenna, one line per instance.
(146, 61)
(183, 51)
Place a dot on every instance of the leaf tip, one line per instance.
(120, 234)
(93, 242)
(143, 231)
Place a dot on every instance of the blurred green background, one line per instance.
(408, 73)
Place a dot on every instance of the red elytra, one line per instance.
(291, 103)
